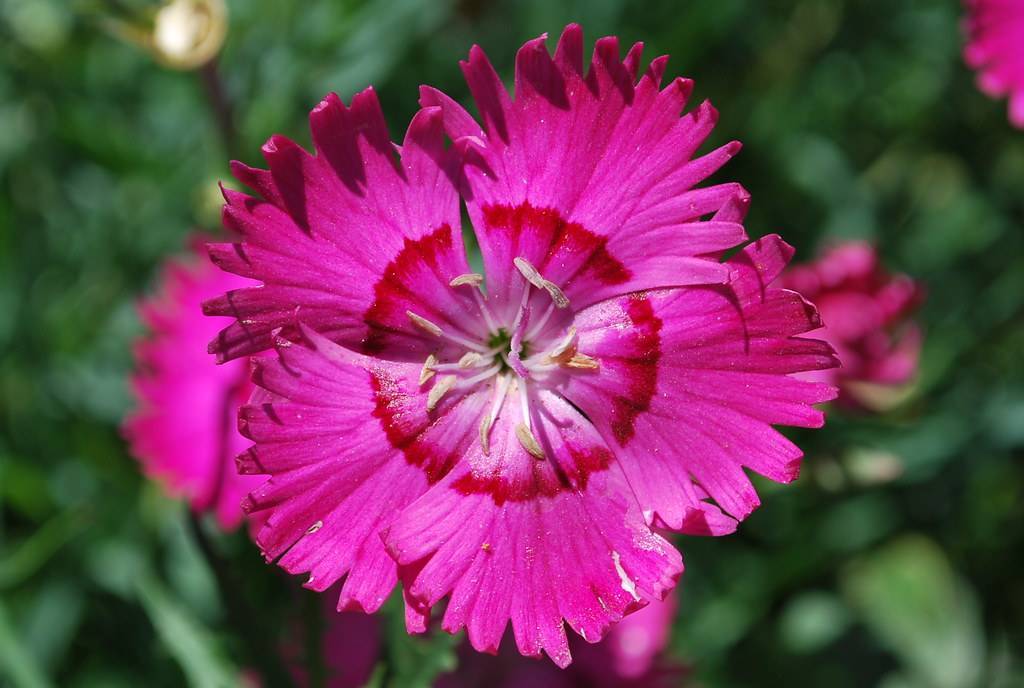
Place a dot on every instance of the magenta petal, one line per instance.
(995, 47)
(338, 473)
(581, 173)
(691, 381)
(565, 529)
(346, 240)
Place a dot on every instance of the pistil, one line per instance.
(516, 343)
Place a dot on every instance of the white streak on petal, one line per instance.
(627, 583)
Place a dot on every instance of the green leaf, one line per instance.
(812, 621)
(33, 552)
(413, 661)
(50, 622)
(915, 604)
(188, 641)
(15, 661)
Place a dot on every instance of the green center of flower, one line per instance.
(502, 341)
(505, 362)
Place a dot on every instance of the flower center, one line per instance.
(501, 341)
(515, 358)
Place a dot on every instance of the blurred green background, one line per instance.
(894, 561)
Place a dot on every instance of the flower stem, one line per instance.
(241, 615)
(220, 103)
(314, 622)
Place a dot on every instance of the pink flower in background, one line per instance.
(184, 431)
(866, 313)
(509, 442)
(349, 649)
(629, 657)
(995, 47)
(630, 651)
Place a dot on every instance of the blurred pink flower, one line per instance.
(995, 47)
(610, 374)
(866, 312)
(631, 649)
(184, 431)
(350, 648)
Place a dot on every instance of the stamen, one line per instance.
(500, 389)
(529, 272)
(523, 301)
(473, 278)
(539, 325)
(467, 382)
(428, 369)
(528, 441)
(485, 434)
(565, 353)
(444, 384)
(538, 369)
(424, 324)
(476, 280)
(485, 311)
(524, 403)
(469, 359)
(456, 369)
(533, 277)
(557, 295)
(435, 330)
(565, 349)
(583, 361)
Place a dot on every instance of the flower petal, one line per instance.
(995, 31)
(691, 381)
(346, 240)
(511, 537)
(348, 443)
(590, 176)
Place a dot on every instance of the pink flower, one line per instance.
(865, 310)
(349, 647)
(630, 651)
(509, 442)
(184, 430)
(995, 47)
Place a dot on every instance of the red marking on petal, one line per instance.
(566, 242)
(393, 293)
(585, 461)
(641, 369)
(392, 405)
(543, 480)
(503, 489)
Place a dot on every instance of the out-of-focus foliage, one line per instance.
(895, 560)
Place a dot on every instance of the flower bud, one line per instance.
(189, 33)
